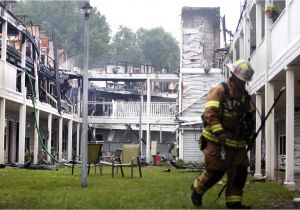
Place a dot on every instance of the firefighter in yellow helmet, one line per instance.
(228, 125)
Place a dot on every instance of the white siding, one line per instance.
(297, 141)
(195, 86)
(281, 158)
(191, 150)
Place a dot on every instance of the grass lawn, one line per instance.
(41, 189)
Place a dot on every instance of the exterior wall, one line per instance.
(10, 77)
(191, 150)
(10, 152)
(297, 140)
(195, 88)
(11, 138)
(280, 131)
(6, 143)
(200, 40)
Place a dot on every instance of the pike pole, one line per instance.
(266, 117)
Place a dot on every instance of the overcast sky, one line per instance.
(165, 13)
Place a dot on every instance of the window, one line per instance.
(27, 144)
(5, 136)
(282, 144)
(281, 137)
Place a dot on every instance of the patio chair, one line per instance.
(94, 153)
(108, 160)
(129, 158)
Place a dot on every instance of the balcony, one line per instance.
(284, 42)
(119, 112)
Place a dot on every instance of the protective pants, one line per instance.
(234, 165)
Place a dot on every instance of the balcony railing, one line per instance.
(120, 109)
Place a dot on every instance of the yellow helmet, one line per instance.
(241, 69)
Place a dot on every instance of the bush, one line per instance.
(194, 165)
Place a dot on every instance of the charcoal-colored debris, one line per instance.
(259, 180)
(191, 170)
(43, 167)
(166, 170)
(33, 166)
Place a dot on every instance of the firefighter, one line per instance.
(228, 125)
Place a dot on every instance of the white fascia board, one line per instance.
(191, 123)
(199, 70)
(192, 70)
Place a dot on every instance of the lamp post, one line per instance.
(84, 129)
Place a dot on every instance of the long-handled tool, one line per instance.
(265, 119)
(254, 136)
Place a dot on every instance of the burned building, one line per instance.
(39, 107)
(199, 70)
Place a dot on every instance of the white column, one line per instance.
(148, 153)
(246, 37)
(60, 135)
(77, 141)
(23, 65)
(4, 40)
(257, 174)
(148, 125)
(22, 131)
(70, 132)
(290, 133)
(36, 84)
(22, 109)
(36, 138)
(49, 146)
(181, 144)
(180, 90)
(3, 51)
(234, 57)
(241, 45)
(79, 101)
(270, 132)
(259, 19)
(269, 100)
(140, 124)
(94, 133)
(160, 134)
(2, 129)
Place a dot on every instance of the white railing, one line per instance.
(258, 63)
(279, 37)
(294, 21)
(120, 109)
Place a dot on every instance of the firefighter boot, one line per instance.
(196, 195)
(236, 205)
(196, 198)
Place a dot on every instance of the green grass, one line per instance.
(41, 189)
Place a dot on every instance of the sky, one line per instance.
(161, 13)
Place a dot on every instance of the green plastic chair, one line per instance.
(94, 153)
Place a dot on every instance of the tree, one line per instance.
(125, 46)
(159, 48)
(67, 20)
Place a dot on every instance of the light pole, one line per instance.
(84, 130)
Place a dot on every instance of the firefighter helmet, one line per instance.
(241, 69)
